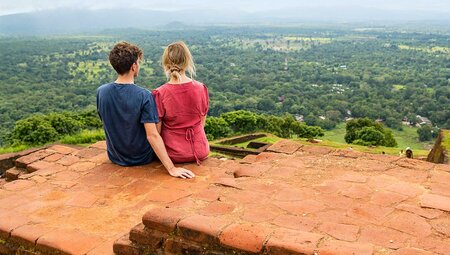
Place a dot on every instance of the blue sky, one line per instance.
(18, 6)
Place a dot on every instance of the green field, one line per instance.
(408, 137)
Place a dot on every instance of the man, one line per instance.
(129, 115)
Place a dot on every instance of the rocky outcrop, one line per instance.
(439, 153)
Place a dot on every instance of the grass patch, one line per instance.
(4, 150)
(84, 137)
(408, 137)
(446, 140)
(268, 139)
(373, 150)
(335, 135)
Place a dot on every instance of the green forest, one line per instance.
(322, 76)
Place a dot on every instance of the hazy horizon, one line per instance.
(414, 6)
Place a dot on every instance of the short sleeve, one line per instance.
(98, 104)
(206, 106)
(149, 112)
(159, 103)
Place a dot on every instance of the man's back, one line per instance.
(123, 109)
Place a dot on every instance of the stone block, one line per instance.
(123, 246)
(162, 219)
(244, 237)
(12, 174)
(201, 228)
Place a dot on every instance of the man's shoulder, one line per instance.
(142, 92)
(104, 87)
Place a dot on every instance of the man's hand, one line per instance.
(181, 172)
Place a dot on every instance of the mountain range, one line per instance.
(70, 21)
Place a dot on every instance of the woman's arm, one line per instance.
(158, 126)
(158, 146)
(204, 121)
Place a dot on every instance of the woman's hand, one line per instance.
(181, 173)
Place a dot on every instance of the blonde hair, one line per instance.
(177, 59)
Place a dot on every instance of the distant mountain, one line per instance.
(65, 21)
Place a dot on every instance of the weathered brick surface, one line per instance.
(284, 146)
(217, 208)
(82, 199)
(54, 157)
(166, 195)
(68, 160)
(384, 237)
(148, 237)
(296, 222)
(442, 226)
(245, 237)
(428, 213)
(43, 165)
(82, 166)
(9, 222)
(339, 231)
(407, 189)
(18, 185)
(260, 213)
(315, 200)
(202, 228)
(387, 198)
(123, 246)
(436, 201)
(27, 235)
(369, 212)
(67, 241)
(345, 248)
(358, 191)
(410, 224)
(12, 174)
(22, 162)
(89, 152)
(228, 182)
(433, 244)
(162, 219)
(284, 241)
(7, 160)
(180, 246)
(61, 149)
(99, 145)
(411, 251)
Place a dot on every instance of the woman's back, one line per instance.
(182, 109)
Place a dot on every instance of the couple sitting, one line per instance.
(168, 122)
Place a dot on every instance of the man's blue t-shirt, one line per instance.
(123, 108)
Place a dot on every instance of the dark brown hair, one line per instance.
(123, 56)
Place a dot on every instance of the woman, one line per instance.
(182, 107)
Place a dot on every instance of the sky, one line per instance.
(19, 6)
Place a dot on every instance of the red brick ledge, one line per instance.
(169, 231)
(20, 236)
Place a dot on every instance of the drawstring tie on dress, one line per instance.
(190, 139)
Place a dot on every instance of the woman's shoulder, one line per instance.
(198, 83)
(160, 89)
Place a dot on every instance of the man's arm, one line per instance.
(157, 144)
